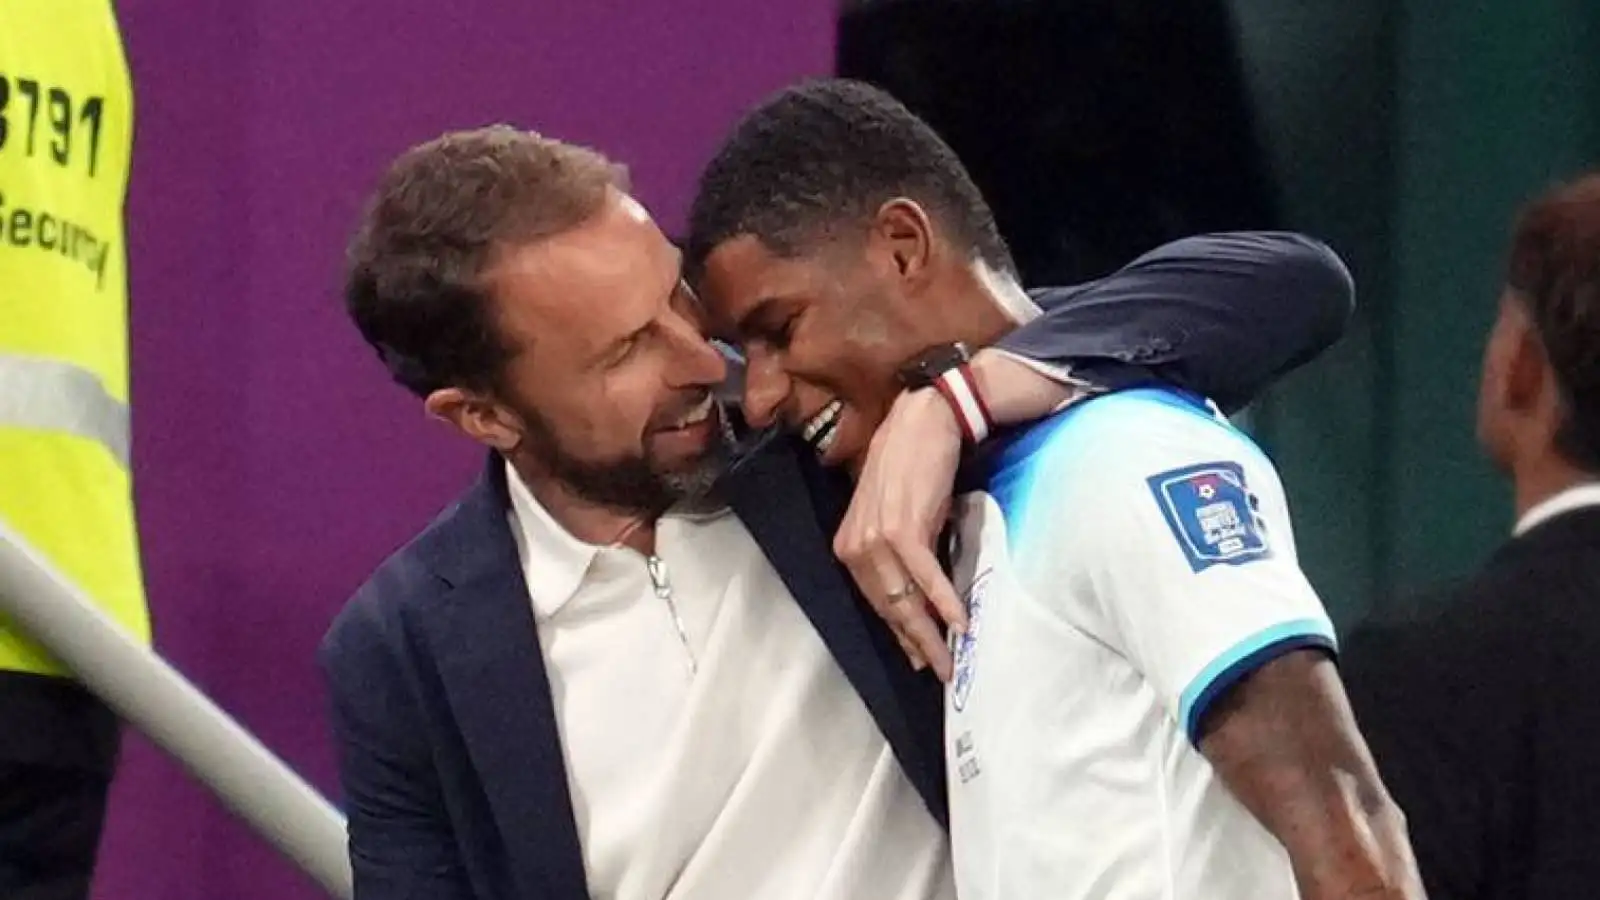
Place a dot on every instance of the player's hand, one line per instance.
(901, 501)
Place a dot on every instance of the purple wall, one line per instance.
(275, 464)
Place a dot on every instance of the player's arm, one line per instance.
(1195, 576)
(1285, 743)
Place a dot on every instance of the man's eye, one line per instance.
(624, 351)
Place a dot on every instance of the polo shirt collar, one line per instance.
(554, 562)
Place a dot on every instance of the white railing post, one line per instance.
(153, 697)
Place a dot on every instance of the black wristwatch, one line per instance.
(947, 369)
(925, 368)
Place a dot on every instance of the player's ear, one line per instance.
(905, 233)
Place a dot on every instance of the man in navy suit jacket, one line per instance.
(1482, 711)
(559, 691)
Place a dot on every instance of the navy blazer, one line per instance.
(1482, 717)
(449, 754)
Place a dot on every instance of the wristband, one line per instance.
(959, 388)
(946, 368)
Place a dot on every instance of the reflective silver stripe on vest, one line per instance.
(48, 395)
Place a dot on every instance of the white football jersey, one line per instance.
(1127, 560)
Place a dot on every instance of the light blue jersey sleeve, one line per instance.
(1163, 531)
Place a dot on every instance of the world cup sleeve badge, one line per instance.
(965, 647)
(1212, 513)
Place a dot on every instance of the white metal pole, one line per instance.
(152, 696)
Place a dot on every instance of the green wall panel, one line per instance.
(1407, 135)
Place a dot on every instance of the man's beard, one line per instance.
(629, 485)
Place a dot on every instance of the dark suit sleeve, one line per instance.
(401, 846)
(1221, 314)
(1440, 719)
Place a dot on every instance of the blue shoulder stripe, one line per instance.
(1243, 658)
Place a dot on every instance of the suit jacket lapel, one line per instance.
(484, 640)
(789, 510)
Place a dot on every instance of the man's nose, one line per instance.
(765, 388)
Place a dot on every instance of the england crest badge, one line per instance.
(964, 647)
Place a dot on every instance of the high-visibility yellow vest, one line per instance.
(66, 131)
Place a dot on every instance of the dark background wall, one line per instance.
(1404, 134)
(275, 466)
(1408, 134)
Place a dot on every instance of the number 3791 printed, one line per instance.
(43, 120)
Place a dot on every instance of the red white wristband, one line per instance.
(959, 388)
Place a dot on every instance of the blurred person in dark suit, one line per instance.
(1485, 719)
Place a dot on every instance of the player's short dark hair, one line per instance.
(414, 282)
(1554, 269)
(819, 158)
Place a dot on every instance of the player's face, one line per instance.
(823, 335)
(609, 391)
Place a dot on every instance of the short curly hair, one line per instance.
(414, 283)
(1554, 269)
(821, 157)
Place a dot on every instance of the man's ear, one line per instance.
(1529, 382)
(905, 231)
(478, 417)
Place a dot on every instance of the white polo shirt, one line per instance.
(729, 762)
(1129, 559)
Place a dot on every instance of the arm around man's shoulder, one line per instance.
(401, 843)
(1222, 314)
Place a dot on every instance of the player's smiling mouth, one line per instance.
(822, 429)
